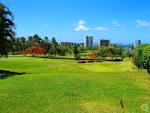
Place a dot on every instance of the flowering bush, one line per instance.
(90, 55)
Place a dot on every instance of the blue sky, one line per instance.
(71, 20)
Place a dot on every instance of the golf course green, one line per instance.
(40, 85)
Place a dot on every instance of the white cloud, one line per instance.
(101, 29)
(81, 26)
(142, 23)
(121, 26)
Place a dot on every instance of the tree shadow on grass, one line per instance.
(5, 74)
(55, 57)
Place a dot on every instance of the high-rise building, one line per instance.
(88, 41)
(104, 42)
(137, 43)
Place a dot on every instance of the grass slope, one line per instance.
(64, 86)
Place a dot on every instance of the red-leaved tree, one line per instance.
(35, 50)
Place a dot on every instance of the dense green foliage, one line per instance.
(6, 30)
(112, 51)
(22, 43)
(51, 46)
(64, 86)
(142, 57)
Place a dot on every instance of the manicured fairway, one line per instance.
(64, 86)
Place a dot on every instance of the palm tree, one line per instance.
(7, 33)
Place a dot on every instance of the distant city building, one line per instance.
(67, 43)
(72, 44)
(88, 41)
(137, 43)
(104, 42)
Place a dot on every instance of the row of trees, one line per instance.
(51, 47)
(22, 43)
(26, 45)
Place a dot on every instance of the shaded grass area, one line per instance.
(5, 74)
(64, 86)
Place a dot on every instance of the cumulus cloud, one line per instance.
(142, 23)
(81, 26)
(101, 29)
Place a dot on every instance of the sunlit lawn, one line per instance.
(64, 86)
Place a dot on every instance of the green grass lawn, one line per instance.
(64, 86)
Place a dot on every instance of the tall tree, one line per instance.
(45, 43)
(36, 40)
(7, 33)
(54, 45)
(76, 52)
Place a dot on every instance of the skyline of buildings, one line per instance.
(88, 42)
